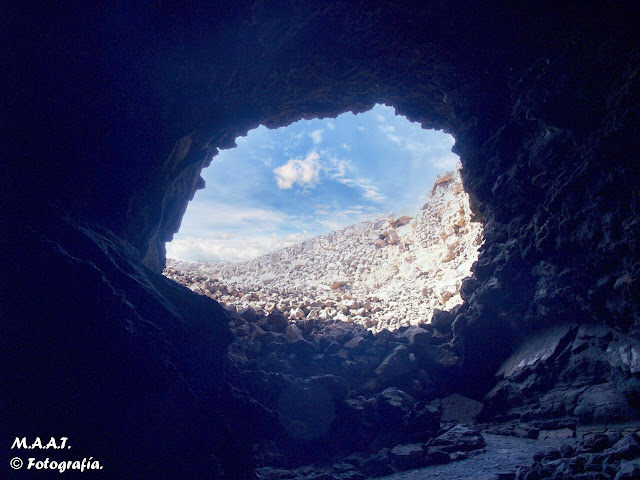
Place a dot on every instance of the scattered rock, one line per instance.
(555, 434)
(406, 457)
(293, 333)
(460, 409)
(459, 439)
(396, 272)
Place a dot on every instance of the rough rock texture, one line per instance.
(383, 273)
(110, 115)
(117, 358)
(567, 375)
(605, 454)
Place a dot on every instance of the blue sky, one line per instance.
(278, 187)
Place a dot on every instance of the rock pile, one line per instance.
(607, 454)
(569, 374)
(348, 339)
(353, 403)
(380, 274)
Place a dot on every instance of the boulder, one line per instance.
(293, 333)
(460, 409)
(603, 403)
(355, 344)
(407, 457)
(277, 320)
(394, 409)
(394, 365)
(425, 423)
(459, 439)
(442, 320)
(302, 349)
(255, 331)
(629, 470)
(416, 336)
(561, 433)
(248, 314)
(435, 456)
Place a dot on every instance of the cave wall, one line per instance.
(557, 187)
(111, 113)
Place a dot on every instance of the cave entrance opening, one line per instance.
(359, 218)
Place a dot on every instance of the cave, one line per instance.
(111, 115)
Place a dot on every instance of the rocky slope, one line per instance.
(381, 273)
(351, 403)
(363, 386)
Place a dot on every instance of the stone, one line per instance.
(460, 409)
(556, 434)
(396, 364)
(417, 336)
(303, 349)
(378, 464)
(297, 313)
(255, 331)
(247, 313)
(435, 456)
(394, 408)
(628, 470)
(407, 457)
(293, 333)
(459, 439)
(356, 343)
(278, 320)
(442, 320)
(603, 404)
(425, 423)
(627, 448)
(538, 348)
(336, 284)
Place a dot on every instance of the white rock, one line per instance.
(385, 273)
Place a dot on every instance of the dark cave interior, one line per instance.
(111, 114)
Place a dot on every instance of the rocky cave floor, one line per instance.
(350, 404)
(359, 386)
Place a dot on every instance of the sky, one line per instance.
(279, 187)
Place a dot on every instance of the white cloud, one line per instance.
(332, 225)
(335, 167)
(393, 138)
(230, 249)
(347, 147)
(380, 117)
(387, 128)
(370, 191)
(224, 236)
(316, 136)
(361, 128)
(340, 169)
(343, 218)
(418, 148)
(297, 170)
(207, 215)
(449, 162)
(331, 125)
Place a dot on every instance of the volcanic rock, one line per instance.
(418, 270)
